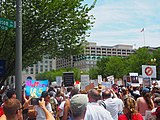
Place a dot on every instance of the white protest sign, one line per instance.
(106, 84)
(140, 79)
(148, 71)
(95, 82)
(84, 81)
(119, 83)
(99, 79)
(111, 79)
(59, 80)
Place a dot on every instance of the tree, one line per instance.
(101, 66)
(54, 27)
(142, 56)
(51, 75)
(115, 66)
(93, 73)
(156, 56)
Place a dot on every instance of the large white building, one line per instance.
(47, 64)
(92, 53)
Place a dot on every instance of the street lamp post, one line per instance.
(18, 66)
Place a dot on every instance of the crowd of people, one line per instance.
(72, 103)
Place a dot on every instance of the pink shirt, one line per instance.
(142, 106)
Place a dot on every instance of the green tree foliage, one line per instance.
(93, 73)
(142, 56)
(156, 56)
(51, 75)
(119, 66)
(101, 66)
(115, 66)
(54, 27)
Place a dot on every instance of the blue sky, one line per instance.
(120, 22)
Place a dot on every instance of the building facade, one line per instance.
(47, 64)
(92, 53)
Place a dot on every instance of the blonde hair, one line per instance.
(130, 103)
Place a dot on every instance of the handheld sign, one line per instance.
(68, 78)
(35, 88)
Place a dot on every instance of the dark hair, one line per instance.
(106, 94)
(44, 94)
(10, 93)
(94, 94)
(147, 97)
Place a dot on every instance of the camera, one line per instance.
(35, 101)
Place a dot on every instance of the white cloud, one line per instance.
(121, 22)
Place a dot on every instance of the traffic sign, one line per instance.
(5, 24)
(3, 27)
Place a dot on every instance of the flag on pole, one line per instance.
(142, 30)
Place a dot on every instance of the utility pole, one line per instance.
(18, 66)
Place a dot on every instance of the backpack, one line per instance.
(101, 103)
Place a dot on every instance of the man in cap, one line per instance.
(78, 106)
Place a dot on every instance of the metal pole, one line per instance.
(144, 39)
(18, 66)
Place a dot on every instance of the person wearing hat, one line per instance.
(78, 106)
(145, 102)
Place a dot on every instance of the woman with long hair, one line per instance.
(145, 102)
(130, 112)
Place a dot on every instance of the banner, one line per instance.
(35, 88)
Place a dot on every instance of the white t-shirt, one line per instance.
(40, 112)
(62, 108)
(112, 107)
(96, 112)
(120, 104)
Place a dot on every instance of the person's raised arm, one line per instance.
(49, 116)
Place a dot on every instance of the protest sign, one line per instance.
(68, 78)
(84, 81)
(34, 88)
(111, 79)
(107, 84)
(146, 82)
(99, 79)
(59, 80)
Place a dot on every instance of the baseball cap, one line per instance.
(145, 90)
(78, 103)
